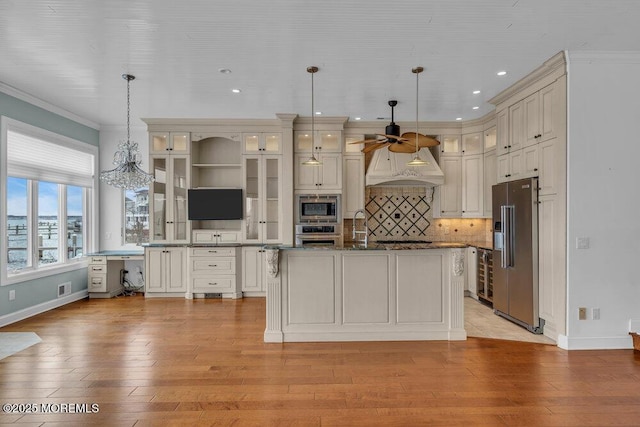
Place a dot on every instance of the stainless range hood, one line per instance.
(390, 169)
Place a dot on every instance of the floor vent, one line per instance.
(64, 289)
(213, 295)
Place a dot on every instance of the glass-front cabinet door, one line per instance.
(179, 200)
(169, 199)
(173, 142)
(257, 143)
(273, 198)
(263, 199)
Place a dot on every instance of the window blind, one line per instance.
(31, 157)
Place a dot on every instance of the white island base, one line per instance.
(365, 295)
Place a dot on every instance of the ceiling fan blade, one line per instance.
(423, 140)
(402, 148)
(373, 147)
(367, 141)
(396, 137)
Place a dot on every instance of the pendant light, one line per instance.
(127, 174)
(417, 161)
(312, 161)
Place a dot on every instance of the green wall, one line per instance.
(40, 291)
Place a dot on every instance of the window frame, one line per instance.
(90, 207)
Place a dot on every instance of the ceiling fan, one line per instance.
(405, 143)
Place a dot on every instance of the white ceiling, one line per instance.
(72, 53)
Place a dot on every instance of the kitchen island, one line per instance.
(381, 292)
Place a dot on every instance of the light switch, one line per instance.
(582, 243)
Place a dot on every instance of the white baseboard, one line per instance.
(595, 343)
(25, 313)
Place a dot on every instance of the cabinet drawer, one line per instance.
(214, 284)
(213, 252)
(98, 268)
(219, 265)
(98, 260)
(97, 282)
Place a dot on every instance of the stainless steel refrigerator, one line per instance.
(515, 252)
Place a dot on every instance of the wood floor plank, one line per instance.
(175, 362)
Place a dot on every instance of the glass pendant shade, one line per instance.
(127, 173)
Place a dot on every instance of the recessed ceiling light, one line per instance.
(502, 73)
(475, 92)
(236, 90)
(476, 107)
(224, 71)
(357, 118)
(318, 113)
(458, 118)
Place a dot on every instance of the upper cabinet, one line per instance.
(450, 145)
(323, 142)
(472, 143)
(490, 139)
(169, 142)
(259, 143)
(326, 145)
(540, 112)
(502, 131)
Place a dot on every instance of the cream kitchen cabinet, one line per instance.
(462, 194)
(169, 142)
(254, 273)
(166, 271)
(449, 194)
(263, 198)
(472, 143)
(259, 143)
(516, 126)
(490, 179)
(552, 166)
(213, 270)
(353, 184)
(450, 145)
(324, 177)
(323, 142)
(473, 186)
(216, 237)
(168, 199)
(502, 132)
(540, 112)
(509, 166)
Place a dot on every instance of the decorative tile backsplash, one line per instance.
(398, 213)
(406, 213)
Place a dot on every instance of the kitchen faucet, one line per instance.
(354, 232)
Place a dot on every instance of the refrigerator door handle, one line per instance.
(503, 221)
(508, 250)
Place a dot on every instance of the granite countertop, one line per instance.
(376, 246)
(117, 252)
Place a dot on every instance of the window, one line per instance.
(48, 206)
(136, 216)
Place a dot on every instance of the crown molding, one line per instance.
(554, 65)
(37, 102)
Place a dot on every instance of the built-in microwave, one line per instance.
(318, 208)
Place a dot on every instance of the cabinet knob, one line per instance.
(214, 283)
(535, 169)
(505, 147)
(213, 265)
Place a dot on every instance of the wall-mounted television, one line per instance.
(211, 203)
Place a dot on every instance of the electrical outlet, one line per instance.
(596, 314)
(582, 313)
(12, 295)
(446, 229)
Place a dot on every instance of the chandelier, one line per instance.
(127, 173)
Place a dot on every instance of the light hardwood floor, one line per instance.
(164, 362)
